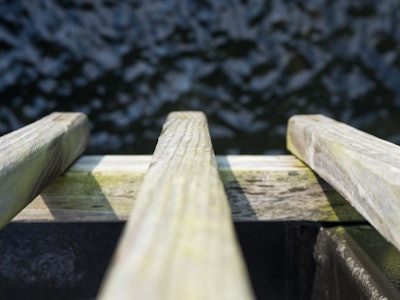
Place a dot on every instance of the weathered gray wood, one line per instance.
(95, 188)
(32, 156)
(280, 188)
(179, 242)
(363, 168)
(264, 188)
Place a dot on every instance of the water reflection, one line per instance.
(249, 65)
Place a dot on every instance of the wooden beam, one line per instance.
(94, 189)
(32, 156)
(280, 188)
(259, 188)
(179, 242)
(363, 168)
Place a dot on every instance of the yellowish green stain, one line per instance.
(93, 191)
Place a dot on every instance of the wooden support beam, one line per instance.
(32, 156)
(179, 242)
(259, 188)
(363, 168)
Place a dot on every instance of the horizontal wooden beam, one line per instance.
(280, 188)
(179, 242)
(34, 155)
(263, 188)
(363, 168)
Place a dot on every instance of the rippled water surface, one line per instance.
(249, 65)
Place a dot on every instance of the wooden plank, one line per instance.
(280, 188)
(179, 242)
(363, 168)
(263, 188)
(94, 189)
(32, 156)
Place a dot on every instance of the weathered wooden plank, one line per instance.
(179, 242)
(95, 188)
(363, 168)
(264, 188)
(281, 188)
(32, 156)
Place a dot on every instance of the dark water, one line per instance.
(249, 65)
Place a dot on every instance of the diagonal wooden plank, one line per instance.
(32, 156)
(179, 242)
(363, 168)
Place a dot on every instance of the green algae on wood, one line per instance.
(179, 242)
(280, 188)
(363, 168)
(95, 188)
(258, 187)
(34, 155)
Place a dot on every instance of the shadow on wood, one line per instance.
(36, 154)
(360, 166)
(179, 242)
(238, 201)
(79, 197)
(344, 212)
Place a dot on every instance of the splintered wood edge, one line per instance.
(259, 188)
(179, 242)
(363, 168)
(34, 155)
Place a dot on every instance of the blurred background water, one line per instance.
(249, 65)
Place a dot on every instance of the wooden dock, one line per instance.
(180, 204)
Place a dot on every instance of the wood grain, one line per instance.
(179, 242)
(363, 168)
(259, 188)
(32, 156)
(94, 189)
(280, 188)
